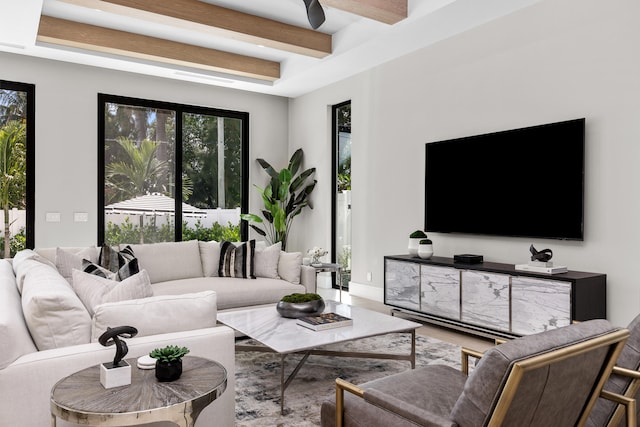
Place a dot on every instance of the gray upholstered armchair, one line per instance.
(624, 380)
(548, 379)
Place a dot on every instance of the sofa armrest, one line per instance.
(25, 385)
(308, 278)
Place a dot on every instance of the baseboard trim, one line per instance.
(366, 291)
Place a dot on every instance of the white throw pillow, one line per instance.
(159, 314)
(210, 256)
(289, 266)
(169, 260)
(95, 290)
(24, 261)
(265, 261)
(66, 260)
(53, 312)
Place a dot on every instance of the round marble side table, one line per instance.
(81, 399)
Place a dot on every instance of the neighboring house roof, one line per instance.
(152, 204)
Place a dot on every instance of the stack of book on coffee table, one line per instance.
(324, 321)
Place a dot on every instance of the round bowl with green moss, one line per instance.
(300, 305)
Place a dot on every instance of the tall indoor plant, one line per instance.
(286, 195)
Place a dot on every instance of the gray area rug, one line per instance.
(258, 377)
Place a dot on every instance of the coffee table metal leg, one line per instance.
(284, 384)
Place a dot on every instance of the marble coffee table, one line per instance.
(283, 336)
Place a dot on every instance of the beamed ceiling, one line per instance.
(260, 45)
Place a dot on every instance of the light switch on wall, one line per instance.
(80, 216)
(53, 217)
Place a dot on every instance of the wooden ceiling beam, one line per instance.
(387, 11)
(219, 21)
(106, 40)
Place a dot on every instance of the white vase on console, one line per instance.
(425, 250)
(414, 241)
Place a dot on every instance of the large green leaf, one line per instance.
(297, 183)
(258, 230)
(267, 167)
(279, 221)
(267, 215)
(296, 160)
(251, 217)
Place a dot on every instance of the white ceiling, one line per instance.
(358, 43)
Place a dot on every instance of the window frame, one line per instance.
(179, 110)
(335, 132)
(30, 195)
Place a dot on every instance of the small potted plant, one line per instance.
(414, 241)
(300, 305)
(168, 362)
(425, 249)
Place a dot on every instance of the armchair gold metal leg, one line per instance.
(465, 353)
(628, 403)
(342, 385)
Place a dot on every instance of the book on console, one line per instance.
(324, 321)
(546, 270)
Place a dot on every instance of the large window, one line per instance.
(165, 164)
(17, 124)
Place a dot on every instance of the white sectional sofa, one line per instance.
(49, 332)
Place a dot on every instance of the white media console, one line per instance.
(490, 299)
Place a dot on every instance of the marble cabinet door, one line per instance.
(539, 305)
(440, 291)
(485, 299)
(402, 284)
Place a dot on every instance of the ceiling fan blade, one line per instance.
(314, 13)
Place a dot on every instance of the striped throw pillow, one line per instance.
(113, 264)
(237, 261)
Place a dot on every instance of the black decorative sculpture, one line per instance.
(542, 256)
(112, 336)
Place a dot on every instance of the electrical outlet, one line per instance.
(368, 276)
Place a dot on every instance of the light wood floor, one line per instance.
(433, 331)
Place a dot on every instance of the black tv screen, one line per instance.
(526, 182)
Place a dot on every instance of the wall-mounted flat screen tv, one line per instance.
(526, 182)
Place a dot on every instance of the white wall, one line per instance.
(556, 60)
(67, 134)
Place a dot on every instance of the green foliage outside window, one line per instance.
(17, 243)
(128, 232)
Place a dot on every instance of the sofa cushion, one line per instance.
(210, 257)
(53, 312)
(95, 290)
(13, 329)
(266, 260)
(24, 261)
(158, 314)
(169, 260)
(289, 266)
(237, 261)
(69, 259)
(232, 292)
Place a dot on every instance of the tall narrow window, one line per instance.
(17, 124)
(341, 224)
(166, 164)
